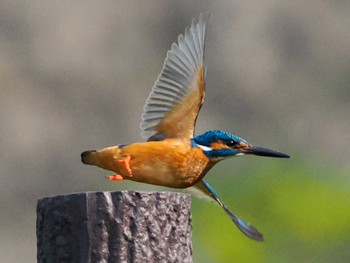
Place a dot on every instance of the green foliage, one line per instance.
(302, 210)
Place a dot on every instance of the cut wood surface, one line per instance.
(121, 226)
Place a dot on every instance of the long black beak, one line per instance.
(261, 151)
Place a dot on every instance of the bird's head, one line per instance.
(218, 145)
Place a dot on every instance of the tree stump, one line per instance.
(121, 226)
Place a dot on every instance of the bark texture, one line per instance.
(122, 226)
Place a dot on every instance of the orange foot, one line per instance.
(126, 162)
(115, 177)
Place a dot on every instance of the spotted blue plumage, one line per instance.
(205, 140)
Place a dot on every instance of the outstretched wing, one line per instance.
(178, 94)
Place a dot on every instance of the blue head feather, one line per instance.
(206, 139)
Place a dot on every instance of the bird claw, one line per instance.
(115, 177)
(126, 163)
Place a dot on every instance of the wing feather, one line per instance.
(176, 97)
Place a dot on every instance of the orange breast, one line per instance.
(173, 163)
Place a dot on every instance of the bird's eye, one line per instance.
(230, 143)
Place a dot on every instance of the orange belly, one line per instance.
(173, 163)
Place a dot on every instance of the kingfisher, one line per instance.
(172, 155)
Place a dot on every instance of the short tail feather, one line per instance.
(87, 157)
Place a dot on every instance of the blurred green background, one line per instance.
(74, 76)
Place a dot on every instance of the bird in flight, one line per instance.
(172, 154)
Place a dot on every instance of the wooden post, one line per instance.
(122, 226)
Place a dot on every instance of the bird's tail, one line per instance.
(248, 230)
(104, 158)
(90, 157)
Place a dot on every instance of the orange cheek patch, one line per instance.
(243, 145)
(218, 146)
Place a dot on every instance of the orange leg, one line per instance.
(125, 161)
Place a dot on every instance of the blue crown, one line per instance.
(209, 137)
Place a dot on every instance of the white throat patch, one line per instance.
(205, 148)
